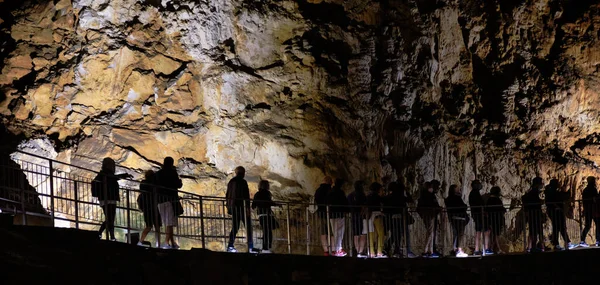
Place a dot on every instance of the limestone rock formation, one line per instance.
(296, 89)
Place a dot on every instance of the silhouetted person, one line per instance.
(358, 201)
(532, 204)
(238, 206)
(375, 223)
(107, 185)
(495, 212)
(15, 185)
(458, 218)
(337, 211)
(148, 203)
(263, 203)
(555, 206)
(396, 208)
(477, 213)
(429, 210)
(168, 181)
(589, 196)
(321, 195)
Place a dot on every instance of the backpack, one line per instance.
(96, 185)
(142, 199)
(312, 208)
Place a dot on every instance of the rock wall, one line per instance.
(296, 89)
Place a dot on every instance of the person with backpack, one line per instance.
(238, 206)
(263, 203)
(147, 203)
(338, 206)
(168, 200)
(555, 206)
(458, 218)
(532, 205)
(320, 200)
(105, 187)
(358, 201)
(589, 197)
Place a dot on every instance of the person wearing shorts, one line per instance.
(168, 182)
(477, 213)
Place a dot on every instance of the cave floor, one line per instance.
(32, 255)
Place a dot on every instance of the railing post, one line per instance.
(51, 168)
(248, 224)
(404, 231)
(23, 210)
(156, 216)
(289, 237)
(368, 245)
(224, 227)
(581, 238)
(524, 228)
(202, 223)
(307, 233)
(128, 216)
(482, 242)
(76, 198)
(328, 230)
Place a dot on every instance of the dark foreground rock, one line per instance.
(36, 255)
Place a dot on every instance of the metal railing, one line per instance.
(32, 185)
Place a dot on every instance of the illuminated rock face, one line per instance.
(294, 90)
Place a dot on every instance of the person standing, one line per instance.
(429, 210)
(238, 206)
(149, 206)
(555, 205)
(106, 188)
(263, 203)
(357, 201)
(495, 212)
(458, 218)
(320, 200)
(589, 197)
(375, 223)
(338, 207)
(477, 212)
(168, 182)
(532, 204)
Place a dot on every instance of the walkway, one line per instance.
(64, 192)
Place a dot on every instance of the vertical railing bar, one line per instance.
(289, 237)
(128, 215)
(23, 211)
(76, 198)
(328, 230)
(202, 223)
(524, 225)
(224, 209)
(307, 233)
(51, 169)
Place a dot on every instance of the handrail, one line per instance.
(205, 218)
